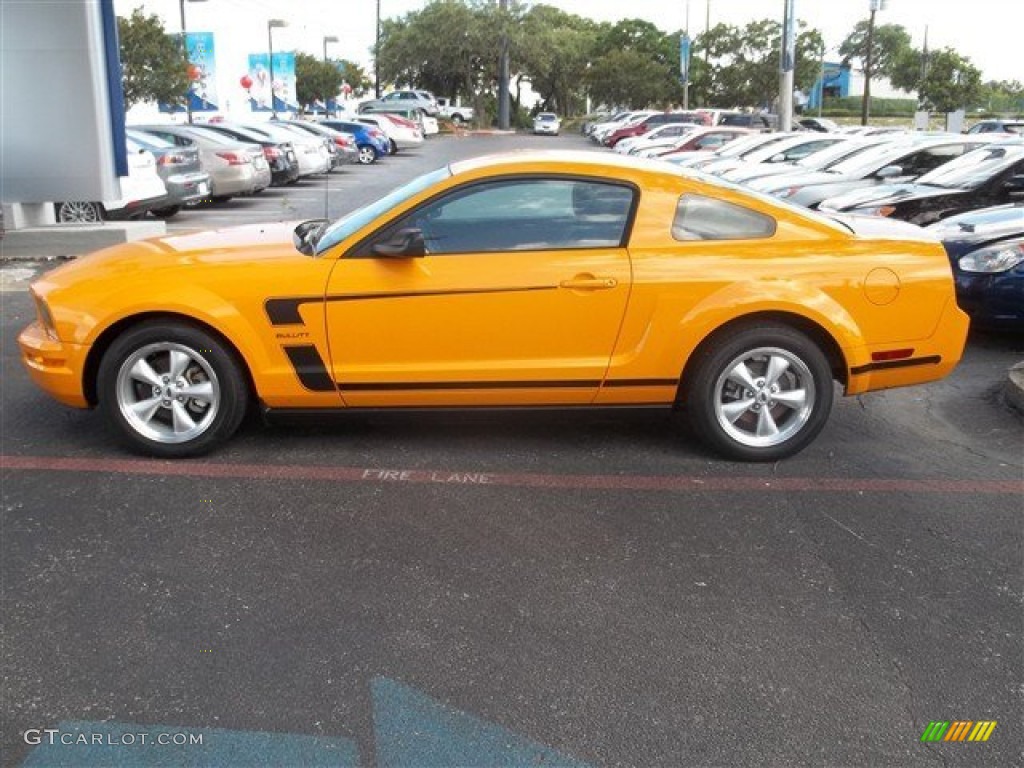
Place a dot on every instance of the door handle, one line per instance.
(589, 283)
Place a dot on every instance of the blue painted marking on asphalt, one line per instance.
(220, 749)
(414, 731)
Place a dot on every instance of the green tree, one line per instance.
(944, 82)
(315, 80)
(888, 42)
(153, 63)
(743, 63)
(629, 79)
(354, 75)
(551, 50)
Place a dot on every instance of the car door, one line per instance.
(517, 300)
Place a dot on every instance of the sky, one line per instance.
(987, 31)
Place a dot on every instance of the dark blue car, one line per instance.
(371, 141)
(986, 250)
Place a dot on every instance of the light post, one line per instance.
(876, 5)
(184, 53)
(821, 79)
(273, 24)
(328, 39)
(684, 58)
(787, 63)
(376, 57)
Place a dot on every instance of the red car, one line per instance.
(702, 140)
(652, 121)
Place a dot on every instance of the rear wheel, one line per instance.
(166, 213)
(394, 147)
(79, 212)
(367, 155)
(171, 389)
(760, 393)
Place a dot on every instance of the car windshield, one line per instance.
(546, 117)
(871, 159)
(737, 147)
(974, 168)
(826, 158)
(351, 223)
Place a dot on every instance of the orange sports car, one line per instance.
(525, 279)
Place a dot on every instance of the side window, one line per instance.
(407, 96)
(393, 96)
(521, 215)
(711, 141)
(705, 218)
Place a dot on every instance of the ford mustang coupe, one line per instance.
(528, 279)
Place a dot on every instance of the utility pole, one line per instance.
(684, 58)
(184, 52)
(876, 5)
(503, 67)
(376, 57)
(787, 63)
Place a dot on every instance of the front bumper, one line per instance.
(56, 367)
(993, 300)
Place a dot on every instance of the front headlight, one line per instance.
(995, 258)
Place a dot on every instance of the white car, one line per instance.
(142, 190)
(547, 123)
(402, 133)
(664, 134)
(312, 153)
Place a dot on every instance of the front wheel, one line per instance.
(367, 155)
(760, 393)
(171, 389)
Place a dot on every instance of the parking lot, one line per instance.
(525, 589)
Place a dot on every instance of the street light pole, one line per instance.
(503, 66)
(684, 56)
(273, 24)
(876, 5)
(328, 39)
(376, 57)
(787, 64)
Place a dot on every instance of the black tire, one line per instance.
(221, 198)
(214, 375)
(166, 213)
(457, 119)
(715, 402)
(394, 147)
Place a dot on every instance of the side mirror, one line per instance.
(306, 235)
(890, 171)
(779, 158)
(404, 244)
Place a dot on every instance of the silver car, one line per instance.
(235, 168)
(403, 100)
(346, 152)
(179, 167)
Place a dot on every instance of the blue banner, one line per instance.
(684, 58)
(202, 75)
(283, 87)
(788, 38)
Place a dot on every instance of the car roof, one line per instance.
(556, 158)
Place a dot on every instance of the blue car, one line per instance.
(372, 142)
(986, 250)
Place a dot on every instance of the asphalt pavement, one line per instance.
(555, 589)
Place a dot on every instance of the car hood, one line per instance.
(980, 227)
(255, 242)
(885, 194)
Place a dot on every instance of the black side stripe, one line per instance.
(884, 365)
(285, 311)
(310, 368)
(641, 382)
(363, 386)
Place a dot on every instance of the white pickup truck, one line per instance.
(457, 114)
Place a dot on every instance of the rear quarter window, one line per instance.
(705, 218)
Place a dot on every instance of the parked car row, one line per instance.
(174, 165)
(968, 189)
